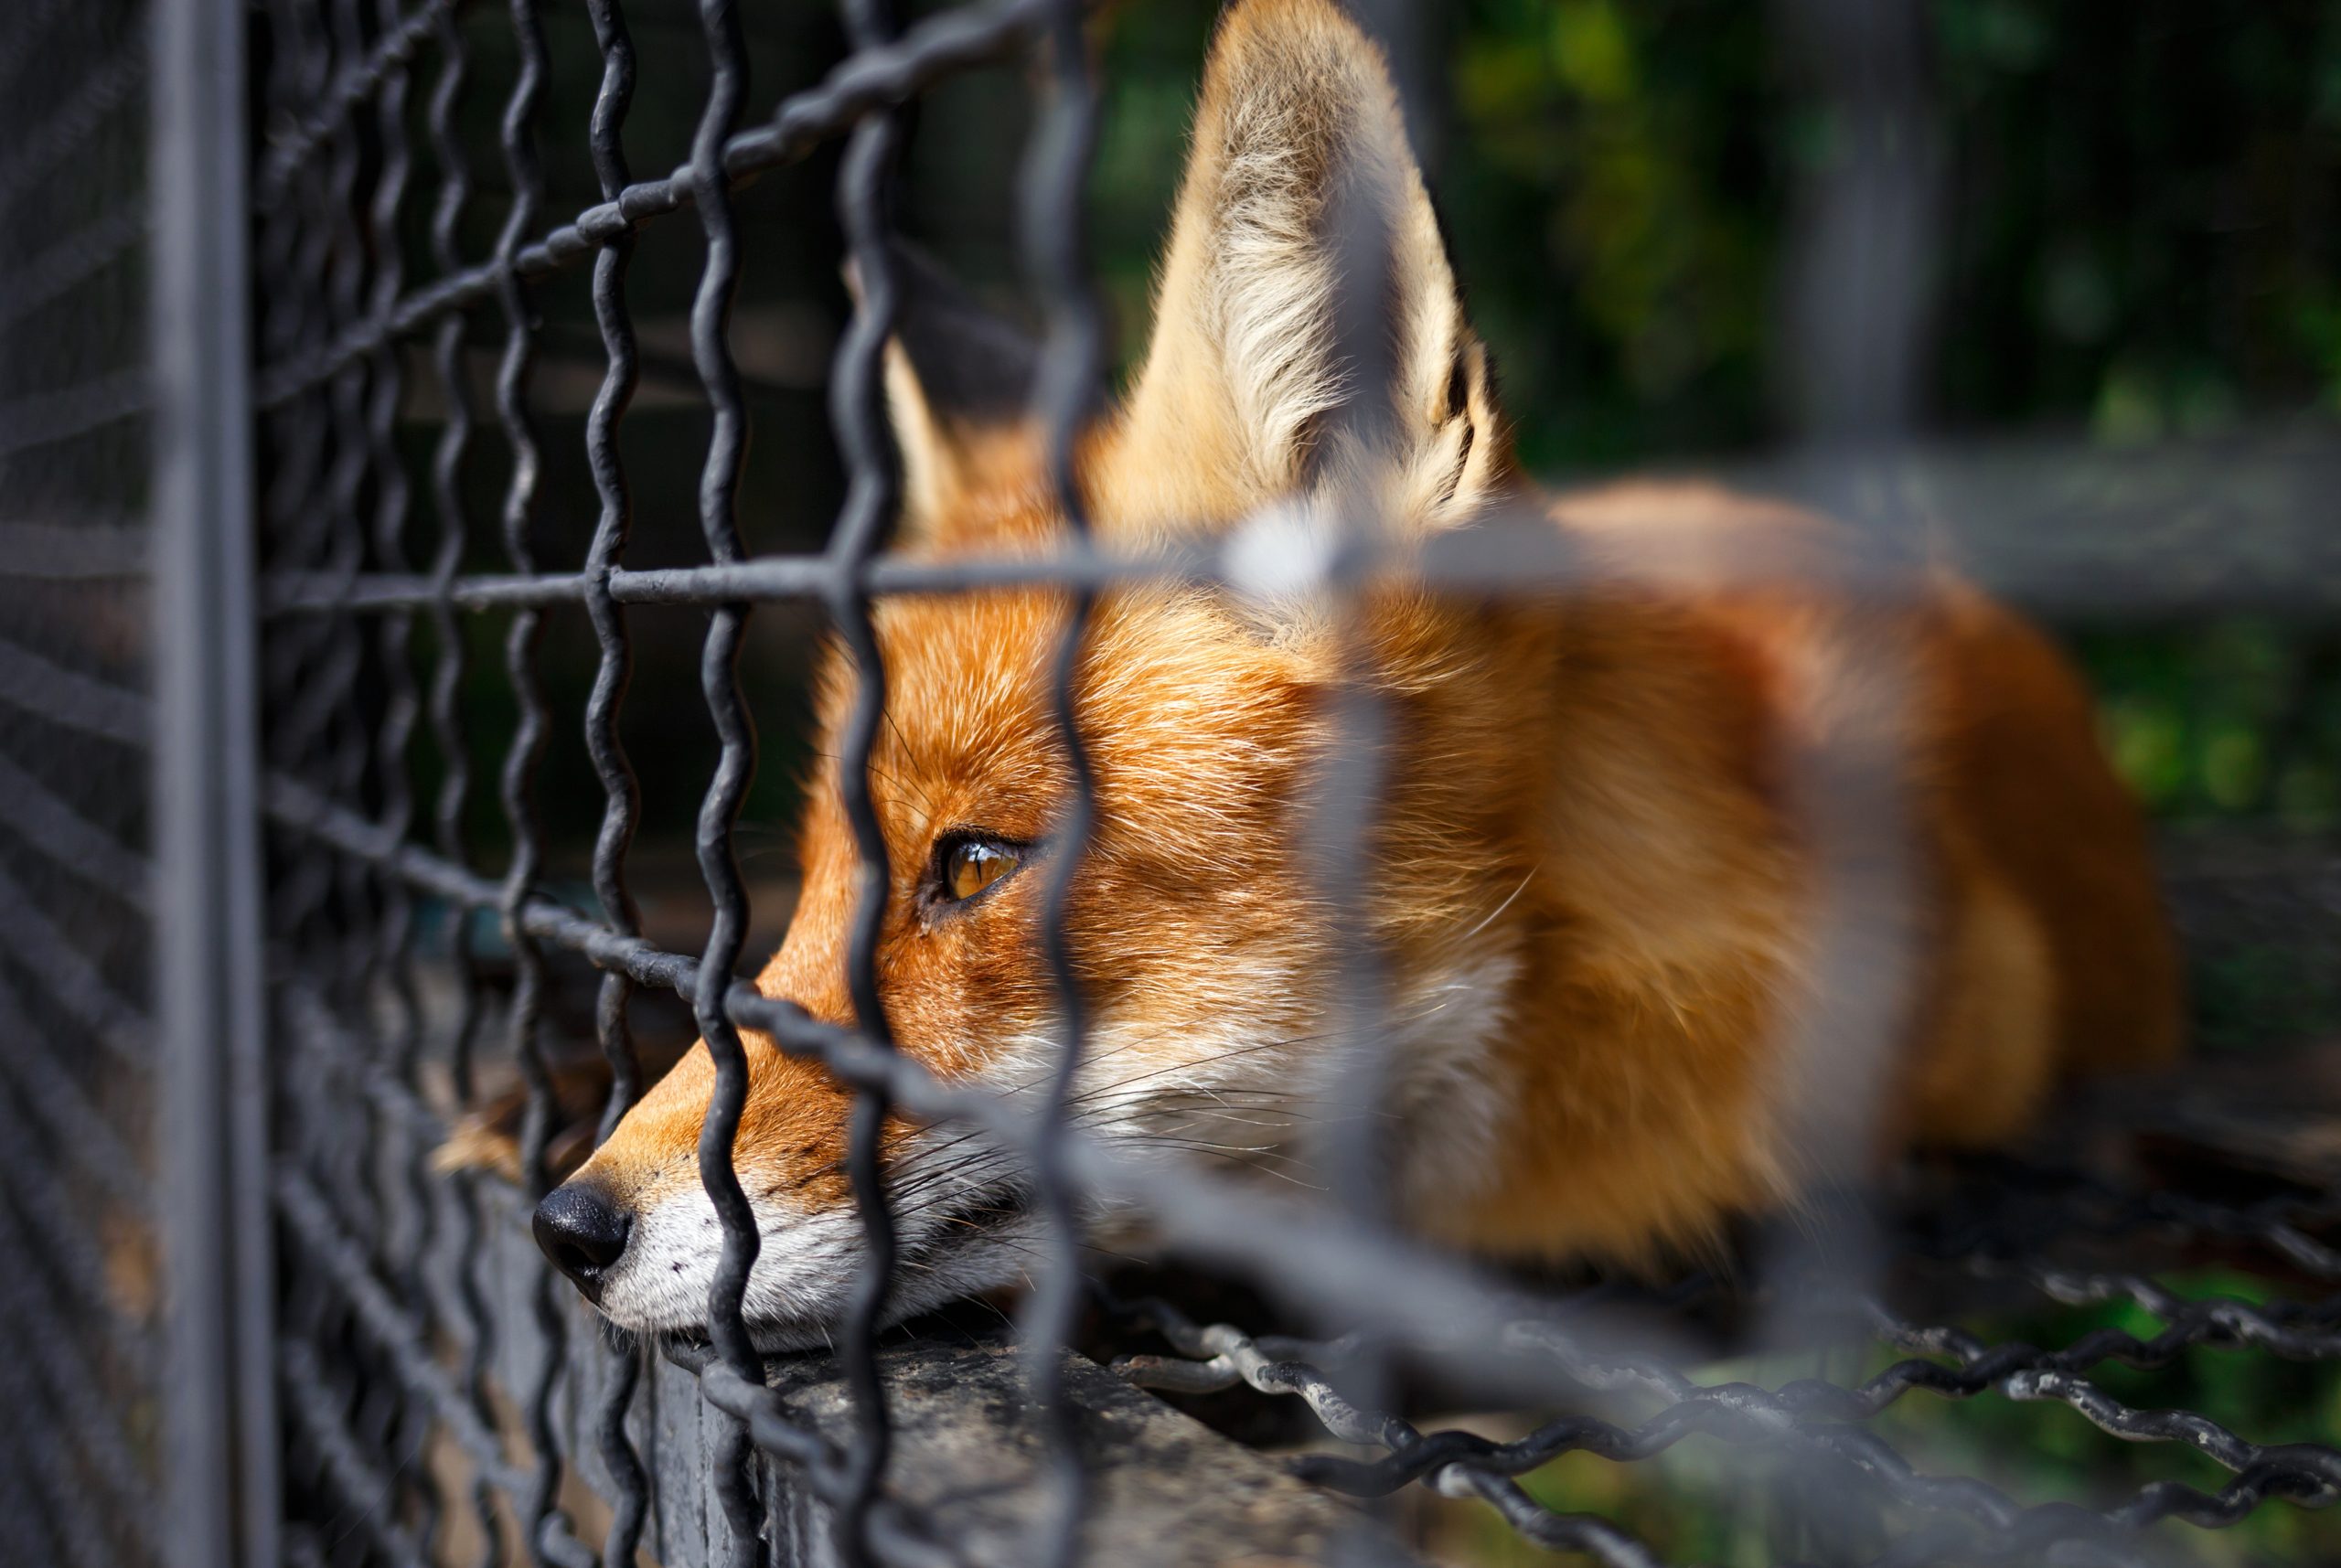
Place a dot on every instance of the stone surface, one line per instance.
(1164, 1489)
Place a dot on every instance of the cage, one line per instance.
(410, 667)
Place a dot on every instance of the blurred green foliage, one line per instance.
(2140, 233)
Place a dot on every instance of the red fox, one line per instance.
(1589, 878)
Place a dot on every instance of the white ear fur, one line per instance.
(1309, 326)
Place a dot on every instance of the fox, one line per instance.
(1596, 884)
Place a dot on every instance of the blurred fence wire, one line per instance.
(274, 549)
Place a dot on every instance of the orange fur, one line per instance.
(1626, 948)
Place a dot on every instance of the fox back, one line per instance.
(1685, 882)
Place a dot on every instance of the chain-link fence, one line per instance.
(476, 394)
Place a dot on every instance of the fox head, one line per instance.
(1310, 358)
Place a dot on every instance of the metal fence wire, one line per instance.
(79, 1072)
(447, 432)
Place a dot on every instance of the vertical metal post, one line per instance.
(220, 1390)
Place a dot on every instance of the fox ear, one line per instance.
(1309, 330)
(959, 382)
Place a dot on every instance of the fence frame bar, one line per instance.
(221, 1417)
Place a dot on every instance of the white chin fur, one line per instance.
(802, 1280)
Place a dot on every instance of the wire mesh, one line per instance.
(78, 1076)
(421, 244)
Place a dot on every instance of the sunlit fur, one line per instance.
(1601, 878)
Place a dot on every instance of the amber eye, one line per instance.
(971, 865)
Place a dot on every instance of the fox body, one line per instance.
(1642, 955)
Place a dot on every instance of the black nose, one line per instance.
(584, 1233)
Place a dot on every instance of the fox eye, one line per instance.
(971, 865)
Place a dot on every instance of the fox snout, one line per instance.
(635, 1231)
(583, 1232)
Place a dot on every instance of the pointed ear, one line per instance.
(1309, 330)
(959, 383)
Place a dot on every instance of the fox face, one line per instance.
(1582, 878)
(1194, 920)
(1194, 924)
